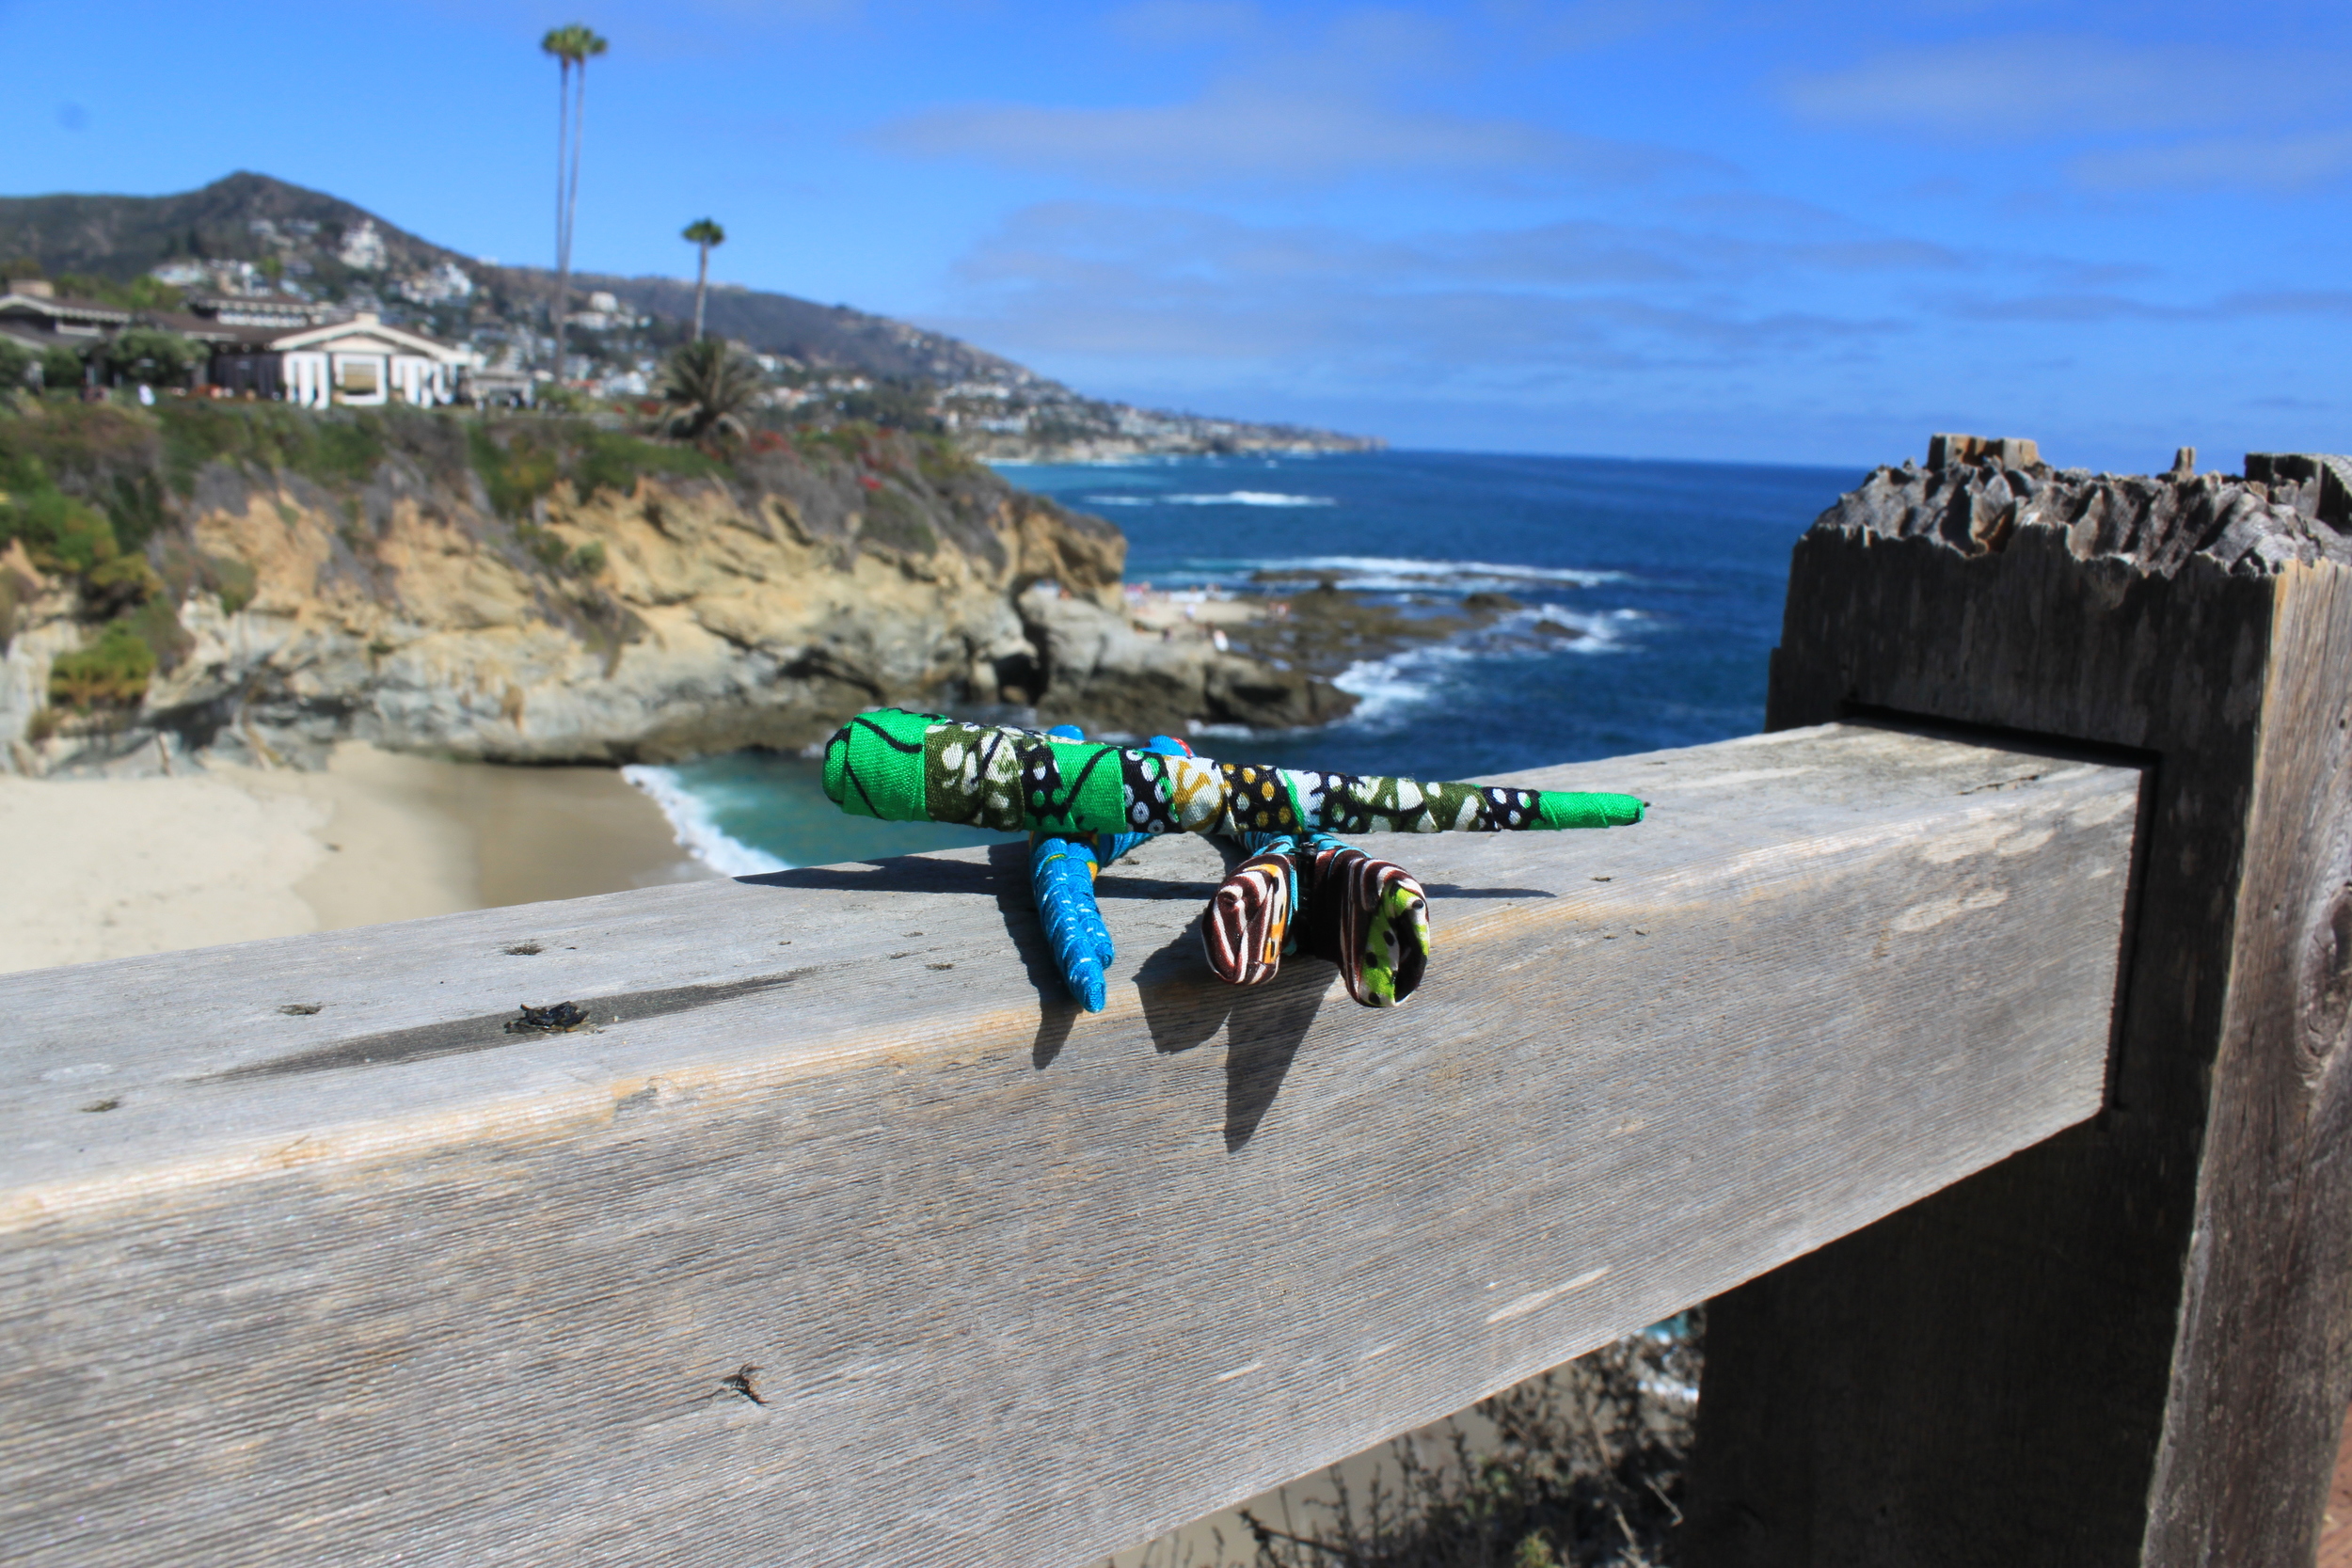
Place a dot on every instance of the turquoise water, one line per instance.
(1669, 574)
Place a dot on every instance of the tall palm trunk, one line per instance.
(704, 232)
(570, 46)
(563, 210)
(571, 212)
(702, 282)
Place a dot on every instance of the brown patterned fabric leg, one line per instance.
(1248, 919)
(1369, 917)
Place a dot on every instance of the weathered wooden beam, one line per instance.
(2129, 1345)
(303, 1258)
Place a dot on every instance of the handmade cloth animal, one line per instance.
(1062, 868)
(1086, 804)
(917, 768)
(1330, 899)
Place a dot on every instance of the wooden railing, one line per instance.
(845, 1239)
(346, 1270)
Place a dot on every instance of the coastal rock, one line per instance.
(645, 618)
(1097, 666)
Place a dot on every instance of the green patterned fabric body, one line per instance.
(915, 767)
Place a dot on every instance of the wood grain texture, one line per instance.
(2125, 1345)
(2263, 1373)
(1021, 1285)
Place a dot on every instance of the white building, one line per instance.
(361, 362)
(362, 249)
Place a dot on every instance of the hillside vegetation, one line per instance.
(540, 588)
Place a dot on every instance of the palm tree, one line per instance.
(704, 232)
(707, 386)
(571, 46)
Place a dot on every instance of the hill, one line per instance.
(250, 235)
(246, 217)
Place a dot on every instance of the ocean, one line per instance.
(1667, 578)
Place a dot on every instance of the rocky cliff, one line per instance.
(269, 582)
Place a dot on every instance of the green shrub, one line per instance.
(893, 519)
(16, 364)
(141, 293)
(547, 548)
(153, 355)
(331, 448)
(612, 459)
(521, 460)
(60, 533)
(517, 465)
(60, 369)
(156, 623)
(102, 456)
(233, 579)
(589, 559)
(112, 672)
(119, 585)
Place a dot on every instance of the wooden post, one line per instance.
(2127, 1344)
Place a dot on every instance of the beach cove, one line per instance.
(109, 868)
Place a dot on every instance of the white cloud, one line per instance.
(1254, 132)
(2273, 162)
(1308, 306)
(2022, 87)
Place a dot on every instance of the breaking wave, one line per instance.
(1400, 689)
(1228, 498)
(698, 832)
(1380, 574)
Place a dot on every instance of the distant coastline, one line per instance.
(249, 243)
(1186, 435)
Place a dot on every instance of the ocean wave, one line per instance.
(1249, 497)
(1400, 574)
(1389, 691)
(698, 833)
(1398, 690)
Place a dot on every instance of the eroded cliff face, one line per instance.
(671, 615)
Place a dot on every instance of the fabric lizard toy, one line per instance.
(1086, 804)
(1062, 868)
(1367, 916)
(906, 766)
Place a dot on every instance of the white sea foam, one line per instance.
(697, 832)
(1395, 691)
(1397, 574)
(1249, 497)
(1389, 691)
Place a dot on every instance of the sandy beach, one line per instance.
(108, 868)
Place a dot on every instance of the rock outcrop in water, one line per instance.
(544, 591)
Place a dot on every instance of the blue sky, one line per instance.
(1798, 231)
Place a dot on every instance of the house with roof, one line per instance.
(360, 361)
(31, 313)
